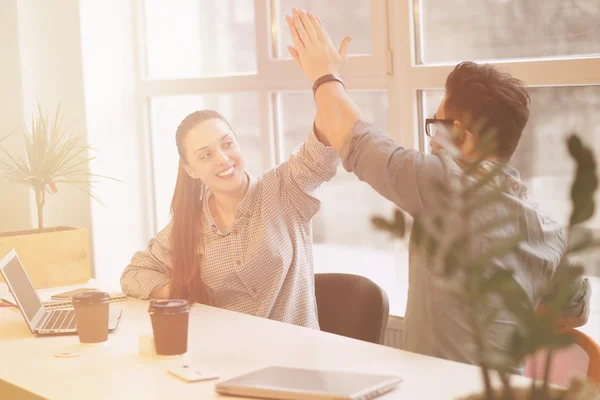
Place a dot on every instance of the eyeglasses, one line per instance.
(433, 124)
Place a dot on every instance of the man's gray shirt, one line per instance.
(435, 322)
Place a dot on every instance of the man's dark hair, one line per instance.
(481, 92)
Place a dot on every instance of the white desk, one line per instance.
(222, 342)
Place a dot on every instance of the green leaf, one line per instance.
(497, 282)
(490, 316)
(396, 227)
(418, 231)
(475, 203)
(498, 249)
(453, 258)
(399, 223)
(441, 189)
(5, 137)
(585, 182)
(432, 247)
(581, 239)
(106, 177)
(499, 360)
(518, 346)
(584, 246)
(17, 179)
(382, 224)
(492, 225)
(513, 296)
(484, 180)
(51, 155)
(564, 285)
(562, 340)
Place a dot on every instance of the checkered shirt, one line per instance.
(263, 264)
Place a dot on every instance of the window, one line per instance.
(345, 198)
(231, 56)
(344, 238)
(507, 29)
(196, 38)
(348, 13)
(552, 46)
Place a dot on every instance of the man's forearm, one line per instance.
(337, 113)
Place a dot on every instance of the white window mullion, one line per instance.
(585, 71)
(221, 84)
(143, 121)
(263, 23)
(379, 36)
(402, 102)
(357, 66)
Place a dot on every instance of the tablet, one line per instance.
(299, 384)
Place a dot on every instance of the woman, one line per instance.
(236, 242)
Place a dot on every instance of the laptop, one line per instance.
(300, 384)
(40, 320)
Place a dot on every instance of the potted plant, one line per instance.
(446, 237)
(53, 256)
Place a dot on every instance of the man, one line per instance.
(435, 322)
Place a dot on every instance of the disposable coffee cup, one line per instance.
(169, 325)
(91, 313)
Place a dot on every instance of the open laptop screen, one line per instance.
(21, 287)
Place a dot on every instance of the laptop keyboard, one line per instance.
(59, 320)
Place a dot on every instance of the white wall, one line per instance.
(51, 71)
(14, 198)
(110, 62)
(80, 54)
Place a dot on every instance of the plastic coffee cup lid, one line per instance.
(168, 307)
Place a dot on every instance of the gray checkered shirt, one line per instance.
(263, 264)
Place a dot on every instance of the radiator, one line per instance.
(393, 333)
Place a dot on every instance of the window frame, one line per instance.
(410, 77)
(393, 66)
(273, 75)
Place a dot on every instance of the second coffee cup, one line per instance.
(169, 325)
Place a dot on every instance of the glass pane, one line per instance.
(344, 238)
(340, 17)
(492, 30)
(196, 38)
(166, 112)
(542, 157)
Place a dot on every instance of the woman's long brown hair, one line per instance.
(187, 236)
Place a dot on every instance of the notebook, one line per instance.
(65, 303)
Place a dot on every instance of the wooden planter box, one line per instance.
(52, 257)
